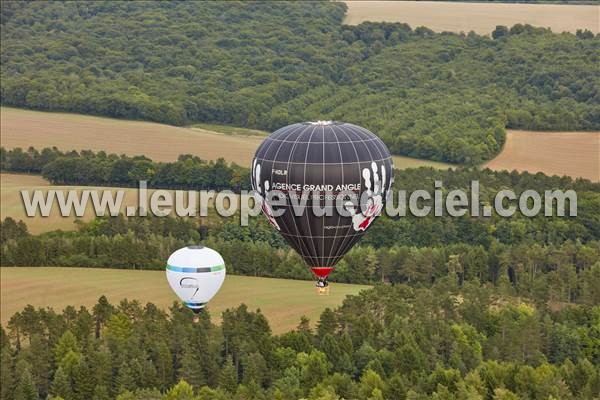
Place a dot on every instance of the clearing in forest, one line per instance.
(479, 17)
(575, 154)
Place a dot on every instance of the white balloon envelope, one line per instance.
(195, 273)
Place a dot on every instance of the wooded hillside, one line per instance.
(441, 96)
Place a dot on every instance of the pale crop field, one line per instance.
(11, 203)
(575, 154)
(479, 17)
(24, 128)
(282, 301)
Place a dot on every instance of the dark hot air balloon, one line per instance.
(310, 163)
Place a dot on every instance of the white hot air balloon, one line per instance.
(195, 274)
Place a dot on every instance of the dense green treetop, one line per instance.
(433, 95)
(89, 168)
(390, 342)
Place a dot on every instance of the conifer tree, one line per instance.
(125, 380)
(26, 389)
(228, 378)
(61, 386)
(7, 376)
(101, 393)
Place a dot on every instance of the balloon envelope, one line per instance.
(195, 273)
(308, 163)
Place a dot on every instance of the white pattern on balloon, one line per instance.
(376, 192)
(260, 194)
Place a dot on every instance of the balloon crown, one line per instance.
(321, 123)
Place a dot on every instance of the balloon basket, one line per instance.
(196, 318)
(322, 291)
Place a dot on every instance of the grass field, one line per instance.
(479, 17)
(401, 162)
(576, 154)
(24, 128)
(11, 204)
(229, 130)
(282, 301)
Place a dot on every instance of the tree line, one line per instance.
(445, 229)
(441, 96)
(389, 342)
(101, 169)
(568, 272)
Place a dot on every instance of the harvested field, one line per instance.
(24, 128)
(576, 154)
(479, 17)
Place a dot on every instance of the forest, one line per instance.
(440, 96)
(390, 342)
(101, 169)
